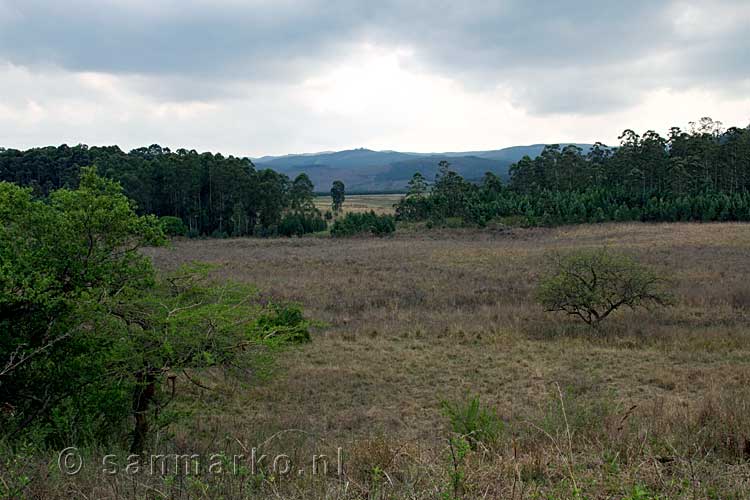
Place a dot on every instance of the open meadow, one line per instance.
(378, 203)
(656, 404)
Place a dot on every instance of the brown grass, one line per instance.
(660, 400)
(379, 203)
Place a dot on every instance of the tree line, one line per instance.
(700, 174)
(210, 193)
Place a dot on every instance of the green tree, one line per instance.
(417, 186)
(523, 176)
(89, 332)
(188, 323)
(272, 192)
(337, 195)
(444, 168)
(414, 205)
(301, 194)
(62, 263)
(492, 184)
(593, 284)
(449, 191)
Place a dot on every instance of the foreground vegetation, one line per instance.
(439, 375)
(90, 333)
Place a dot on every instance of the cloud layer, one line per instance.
(264, 76)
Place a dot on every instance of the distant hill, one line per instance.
(364, 170)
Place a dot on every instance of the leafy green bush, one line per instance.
(474, 423)
(592, 284)
(363, 223)
(173, 226)
(284, 322)
(297, 224)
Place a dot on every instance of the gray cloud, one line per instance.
(223, 39)
(584, 56)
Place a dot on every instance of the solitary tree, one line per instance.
(593, 284)
(337, 195)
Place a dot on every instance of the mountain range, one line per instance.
(366, 171)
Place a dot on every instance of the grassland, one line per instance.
(379, 203)
(657, 405)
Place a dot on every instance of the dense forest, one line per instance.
(211, 194)
(702, 174)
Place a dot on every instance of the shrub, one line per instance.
(291, 225)
(297, 224)
(283, 322)
(473, 422)
(363, 223)
(173, 226)
(593, 284)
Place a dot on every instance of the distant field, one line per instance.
(379, 203)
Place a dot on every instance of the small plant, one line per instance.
(459, 447)
(14, 465)
(473, 422)
(641, 493)
(471, 425)
(593, 284)
(370, 462)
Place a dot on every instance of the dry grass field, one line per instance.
(656, 405)
(379, 203)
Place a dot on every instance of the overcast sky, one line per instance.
(255, 77)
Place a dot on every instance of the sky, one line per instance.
(270, 77)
